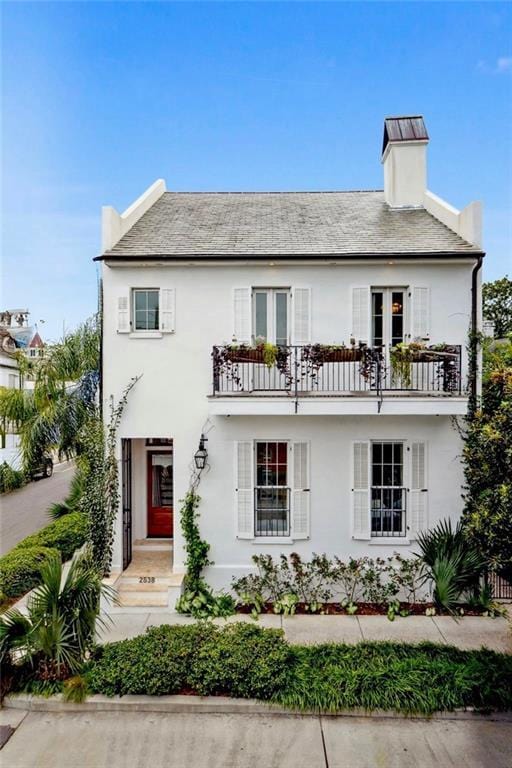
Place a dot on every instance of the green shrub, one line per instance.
(154, 663)
(10, 478)
(66, 534)
(20, 569)
(241, 660)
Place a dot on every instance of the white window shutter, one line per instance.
(420, 312)
(361, 527)
(361, 314)
(418, 494)
(242, 315)
(167, 310)
(244, 492)
(123, 314)
(301, 307)
(300, 491)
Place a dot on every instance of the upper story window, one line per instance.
(146, 309)
(388, 316)
(271, 308)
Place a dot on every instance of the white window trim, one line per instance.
(146, 335)
(134, 333)
(271, 312)
(406, 480)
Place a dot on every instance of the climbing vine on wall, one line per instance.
(198, 598)
(99, 463)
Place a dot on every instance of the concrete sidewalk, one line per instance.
(469, 632)
(136, 739)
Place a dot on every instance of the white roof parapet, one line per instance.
(115, 225)
(466, 223)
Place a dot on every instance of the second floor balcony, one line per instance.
(320, 372)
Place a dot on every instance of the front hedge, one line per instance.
(66, 534)
(246, 661)
(20, 569)
(239, 660)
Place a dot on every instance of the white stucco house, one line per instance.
(328, 445)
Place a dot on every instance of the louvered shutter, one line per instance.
(123, 314)
(418, 494)
(361, 491)
(301, 307)
(242, 315)
(361, 314)
(167, 310)
(244, 492)
(300, 491)
(420, 313)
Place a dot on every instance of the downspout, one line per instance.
(474, 331)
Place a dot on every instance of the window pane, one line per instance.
(261, 315)
(387, 474)
(152, 299)
(140, 320)
(397, 453)
(152, 320)
(281, 319)
(387, 449)
(377, 475)
(140, 300)
(377, 452)
(261, 452)
(282, 452)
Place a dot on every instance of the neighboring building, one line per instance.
(9, 373)
(326, 450)
(35, 347)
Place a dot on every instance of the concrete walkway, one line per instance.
(24, 511)
(468, 632)
(138, 739)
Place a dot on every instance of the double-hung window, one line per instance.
(271, 494)
(270, 320)
(388, 495)
(146, 309)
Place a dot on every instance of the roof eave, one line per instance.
(472, 253)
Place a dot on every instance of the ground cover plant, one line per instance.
(246, 661)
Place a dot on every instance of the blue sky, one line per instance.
(100, 99)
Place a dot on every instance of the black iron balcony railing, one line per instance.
(302, 371)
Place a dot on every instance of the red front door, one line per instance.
(160, 494)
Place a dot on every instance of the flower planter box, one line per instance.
(341, 356)
(244, 355)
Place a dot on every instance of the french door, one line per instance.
(271, 309)
(388, 316)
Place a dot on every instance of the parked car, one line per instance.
(43, 468)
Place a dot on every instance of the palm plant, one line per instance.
(72, 500)
(454, 565)
(59, 629)
(49, 416)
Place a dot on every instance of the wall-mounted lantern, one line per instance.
(201, 454)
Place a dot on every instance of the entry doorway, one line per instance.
(160, 494)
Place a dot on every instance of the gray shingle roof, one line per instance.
(231, 224)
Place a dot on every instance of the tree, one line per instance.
(487, 454)
(497, 305)
(50, 416)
